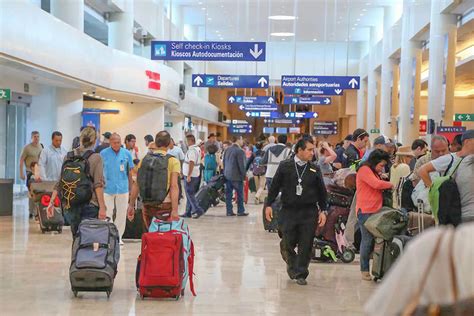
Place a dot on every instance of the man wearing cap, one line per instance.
(340, 159)
(356, 149)
(105, 142)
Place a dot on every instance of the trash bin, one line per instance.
(6, 197)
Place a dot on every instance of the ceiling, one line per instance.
(317, 20)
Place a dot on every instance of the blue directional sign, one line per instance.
(325, 128)
(258, 107)
(307, 100)
(259, 114)
(282, 121)
(238, 99)
(313, 91)
(296, 115)
(223, 51)
(320, 82)
(229, 81)
(240, 128)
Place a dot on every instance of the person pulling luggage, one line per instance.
(157, 183)
(302, 190)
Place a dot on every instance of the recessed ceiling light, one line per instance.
(200, 2)
(282, 34)
(362, 14)
(203, 8)
(358, 20)
(315, 39)
(209, 19)
(282, 39)
(363, 10)
(353, 28)
(355, 24)
(368, 3)
(282, 17)
(252, 39)
(217, 31)
(84, 93)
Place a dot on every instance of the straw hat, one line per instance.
(404, 151)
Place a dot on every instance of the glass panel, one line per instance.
(16, 135)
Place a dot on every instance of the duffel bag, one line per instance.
(387, 223)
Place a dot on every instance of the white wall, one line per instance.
(139, 119)
(69, 103)
(42, 115)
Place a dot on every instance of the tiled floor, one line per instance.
(239, 271)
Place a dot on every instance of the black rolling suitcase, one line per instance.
(386, 253)
(134, 229)
(95, 257)
(272, 226)
(207, 196)
(42, 197)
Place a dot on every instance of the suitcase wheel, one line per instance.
(75, 293)
(176, 297)
(376, 279)
(348, 255)
(60, 230)
(108, 294)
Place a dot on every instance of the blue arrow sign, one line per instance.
(223, 51)
(320, 82)
(258, 114)
(237, 99)
(229, 81)
(307, 100)
(258, 107)
(299, 115)
(282, 121)
(313, 91)
(240, 128)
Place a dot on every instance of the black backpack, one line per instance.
(152, 179)
(407, 188)
(76, 184)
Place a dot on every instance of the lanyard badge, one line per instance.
(299, 187)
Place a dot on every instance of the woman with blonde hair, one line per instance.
(399, 170)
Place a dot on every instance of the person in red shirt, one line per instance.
(369, 201)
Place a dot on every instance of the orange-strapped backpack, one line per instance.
(75, 184)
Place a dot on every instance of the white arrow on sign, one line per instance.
(315, 115)
(353, 83)
(247, 114)
(287, 114)
(198, 81)
(241, 107)
(327, 100)
(270, 100)
(231, 99)
(262, 82)
(338, 91)
(255, 52)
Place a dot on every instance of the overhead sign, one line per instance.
(283, 121)
(307, 100)
(313, 91)
(215, 51)
(258, 114)
(238, 99)
(301, 115)
(168, 124)
(230, 81)
(325, 128)
(240, 128)
(461, 117)
(375, 131)
(5, 94)
(294, 130)
(281, 130)
(320, 82)
(451, 129)
(258, 107)
(268, 130)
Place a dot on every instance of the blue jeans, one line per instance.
(366, 242)
(191, 188)
(76, 215)
(238, 186)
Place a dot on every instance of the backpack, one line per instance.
(404, 190)
(76, 184)
(257, 168)
(210, 162)
(152, 178)
(445, 199)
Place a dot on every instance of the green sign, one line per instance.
(5, 94)
(464, 117)
(375, 131)
(168, 124)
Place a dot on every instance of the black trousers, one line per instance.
(297, 228)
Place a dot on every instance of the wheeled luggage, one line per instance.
(272, 226)
(135, 228)
(42, 197)
(386, 223)
(419, 220)
(166, 262)
(207, 196)
(385, 254)
(95, 257)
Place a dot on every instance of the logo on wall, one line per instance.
(154, 82)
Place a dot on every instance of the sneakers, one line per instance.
(197, 215)
(121, 243)
(185, 216)
(365, 276)
(231, 214)
(243, 214)
(301, 281)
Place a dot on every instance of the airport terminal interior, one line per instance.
(237, 157)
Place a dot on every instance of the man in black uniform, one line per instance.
(302, 190)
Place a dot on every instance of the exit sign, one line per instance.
(168, 124)
(375, 131)
(5, 94)
(464, 117)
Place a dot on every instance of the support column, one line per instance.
(71, 12)
(410, 71)
(361, 101)
(443, 34)
(69, 103)
(371, 82)
(387, 74)
(121, 28)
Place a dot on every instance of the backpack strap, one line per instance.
(449, 166)
(191, 269)
(455, 168)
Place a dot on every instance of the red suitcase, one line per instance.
(161, 265)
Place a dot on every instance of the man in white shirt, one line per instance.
(191, 174)
(51, 159)
(177, 152)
